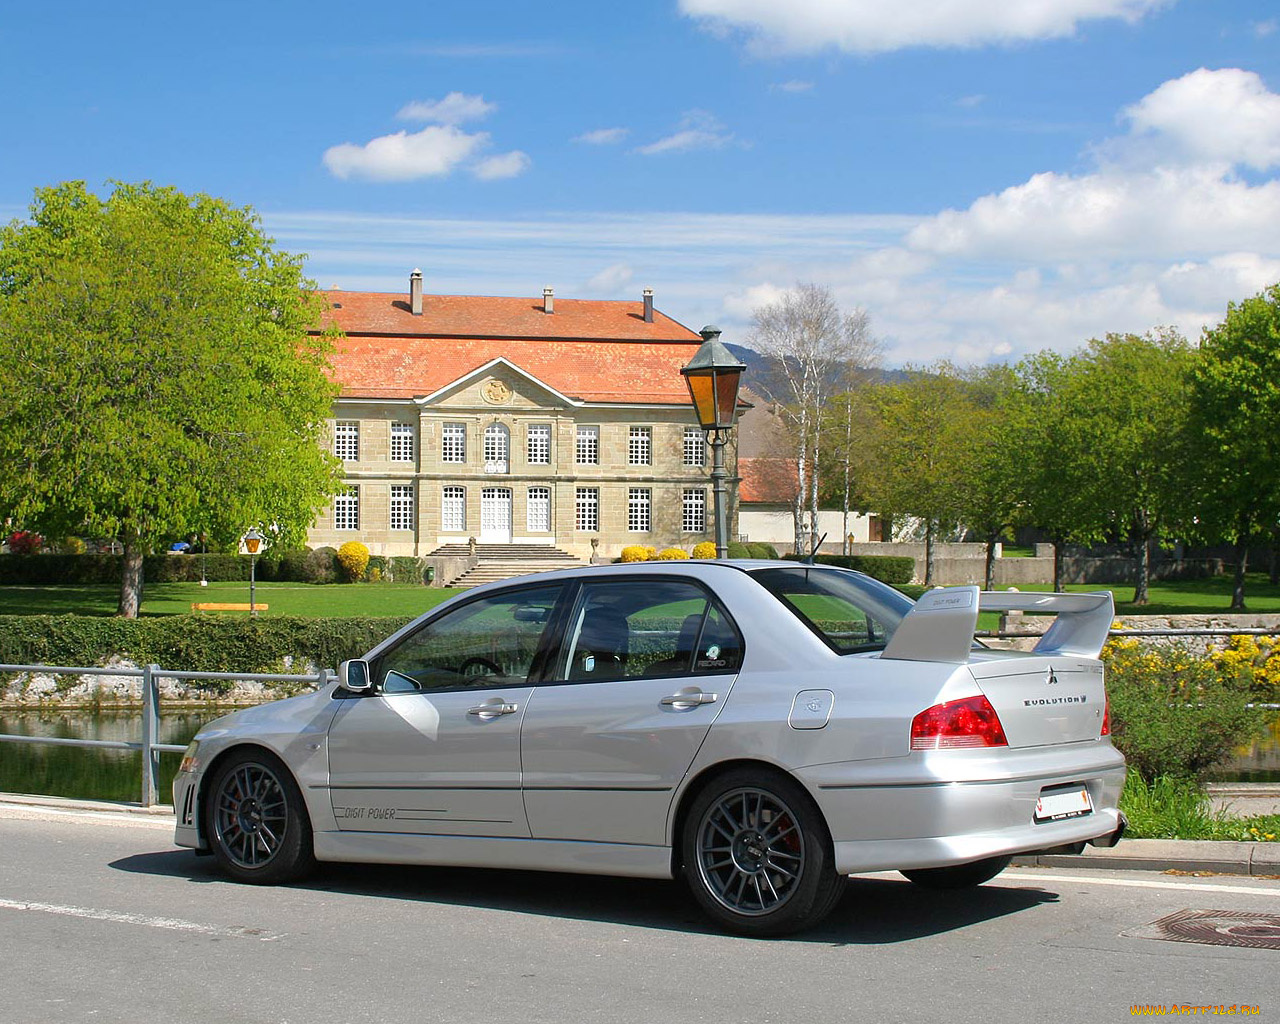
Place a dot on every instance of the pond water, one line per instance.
(91, 774)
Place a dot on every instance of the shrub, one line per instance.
(25, 543)
(704, 549)
(1172, 712)
(352, 561)
(893, 569)
(672, 554)
(738, 550)
(635, 553)
(759, 550)
(379, 569)
(320, 566)
(1173, 808)
(650, 553)
(406, 569)
(71, 546)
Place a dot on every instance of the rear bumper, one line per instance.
(936, 823)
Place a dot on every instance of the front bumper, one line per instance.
(186, 805)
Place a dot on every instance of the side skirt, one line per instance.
(484, 852)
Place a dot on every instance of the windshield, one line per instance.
(850, 611)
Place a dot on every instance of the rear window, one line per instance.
(850, 611)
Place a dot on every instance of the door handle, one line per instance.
(684, 701)
(492, 709)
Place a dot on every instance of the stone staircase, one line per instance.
(502, 561)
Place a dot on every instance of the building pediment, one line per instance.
(498, 384)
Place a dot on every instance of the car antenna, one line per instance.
(814, 550)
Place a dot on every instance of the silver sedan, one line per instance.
(759, 729)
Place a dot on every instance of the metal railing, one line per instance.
(147, 744)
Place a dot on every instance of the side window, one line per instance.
(485, 643)
(663, 628)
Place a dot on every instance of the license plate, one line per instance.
(1061, 802)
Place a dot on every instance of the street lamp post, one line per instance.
(713, 376)
(252, 542)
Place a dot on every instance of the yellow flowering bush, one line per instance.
(672, 554)
(352, 559)
(704, 549)
(635, 553)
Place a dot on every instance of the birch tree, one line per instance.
(814, 350)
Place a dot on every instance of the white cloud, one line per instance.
(795, 85)
(1262, 29)
(970, 102)
(1167, 187)
(603, 136)
(874, 26)
(1207, 116)
(434, 152)
(456, 108)
(698, 129)
(505, 165)
(611, 280)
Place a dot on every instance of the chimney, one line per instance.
(415, 292)
(648, 305)
(548, 300)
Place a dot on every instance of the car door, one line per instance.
(435, 749)
(645, 668)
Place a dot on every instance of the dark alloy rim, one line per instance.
(250, 815)
(750, 852)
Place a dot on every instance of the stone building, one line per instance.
(514, 422)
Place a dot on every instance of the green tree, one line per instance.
(1130, 395)
(922, 430)
(1235, 413)
(157, 374)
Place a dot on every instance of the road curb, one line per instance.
(1222, 857)
(59, 803)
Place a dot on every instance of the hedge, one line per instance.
(191, 643)
(302, 566)
(893, 569)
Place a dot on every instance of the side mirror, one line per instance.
(353, 676)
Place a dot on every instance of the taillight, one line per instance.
(971, 722)
(1106, 717)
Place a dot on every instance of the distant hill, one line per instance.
(761, 370)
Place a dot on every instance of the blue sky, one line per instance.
(984, 177)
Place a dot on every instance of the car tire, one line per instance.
(959, 876)
(757, 855)
(256, 821)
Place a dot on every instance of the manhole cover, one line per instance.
(1215, 928)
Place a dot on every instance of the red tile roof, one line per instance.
(768, 481)
(596, 351)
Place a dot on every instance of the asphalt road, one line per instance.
(103, 919)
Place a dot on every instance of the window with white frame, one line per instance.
(539, 444)
(538, 510)
(497, 448)
(640, 446)
(453, 509)
(695, 447)
(402, 442)
(402, 506)
(346, 440)
(453, 442)
(694, 519)
(587, 448)
(587, 508)
(346, 509)
(639, 507)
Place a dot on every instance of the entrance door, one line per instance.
(495, 515)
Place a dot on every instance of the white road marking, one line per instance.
(1141, 883)
(172, 924)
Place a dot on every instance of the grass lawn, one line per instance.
(1186, 597)
(1174, 598)
(338, 599)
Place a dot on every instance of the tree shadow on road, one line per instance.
(874, 911)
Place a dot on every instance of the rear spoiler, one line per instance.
(941, 625)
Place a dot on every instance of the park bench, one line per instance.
(226, 606)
